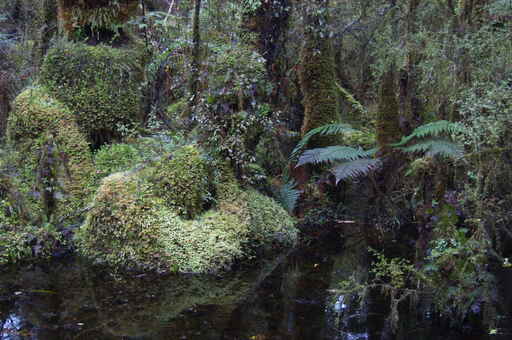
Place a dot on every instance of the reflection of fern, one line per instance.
(288, 196)
(433, 139)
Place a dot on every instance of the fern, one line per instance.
(434, 129)
(324, 130)
(355, 168)
(331, 154)
(288, 196)
(439, 146)
(433, 139)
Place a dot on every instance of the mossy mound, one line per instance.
(187, 190)
(52, 155)
(133, 224)
(99, 84)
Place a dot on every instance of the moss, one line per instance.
(115, 158)
(182, 181)
(52, 156)
(98, 83)
(133, 221)
(317, 81)
(124, 224)
(388, 128)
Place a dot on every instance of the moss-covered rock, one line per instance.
(52, 155)
(133, 223)
(99, 84)
(187, 190)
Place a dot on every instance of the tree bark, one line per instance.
(317, 73)
(196, 53)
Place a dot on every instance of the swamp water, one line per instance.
(291, 297)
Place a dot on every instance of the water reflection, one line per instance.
(292, 297)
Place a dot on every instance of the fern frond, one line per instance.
(356, 168)
(324, 130)
(331, 154)
(439, 146)
(288, 196)
(434, 129)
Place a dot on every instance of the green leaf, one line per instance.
(355, 168)
(434, 129)
(324, 130)
(330, 154)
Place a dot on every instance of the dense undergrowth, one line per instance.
(189, 116)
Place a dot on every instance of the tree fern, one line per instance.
(324, 130)
(439, 146)
(433, 139)
(288, 196)
(434, 129)
(331, 154)
(353, 169)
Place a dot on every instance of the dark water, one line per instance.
(289, 297)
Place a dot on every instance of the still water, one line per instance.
(292, 296)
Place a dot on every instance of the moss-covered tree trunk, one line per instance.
(410, 104)
(5, 106)
(317, 72)
(388, 132)
(270, 21)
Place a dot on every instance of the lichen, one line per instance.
(53, 156)
(99, 84)
(134, 223)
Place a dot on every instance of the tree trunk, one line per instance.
(317, 73)
(196, 53)
(270, 22)
(410, 104)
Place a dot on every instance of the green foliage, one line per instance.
(112, 158)
(396, 272)
(26, 243)
(353, 169)
(232, 115)
(324, 130)
(434, 139)
(288, 196)
(99, 84)
(331, 154)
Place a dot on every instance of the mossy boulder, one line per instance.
(100, 84)
(187, 190)
(132, 223)
(52, 156)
